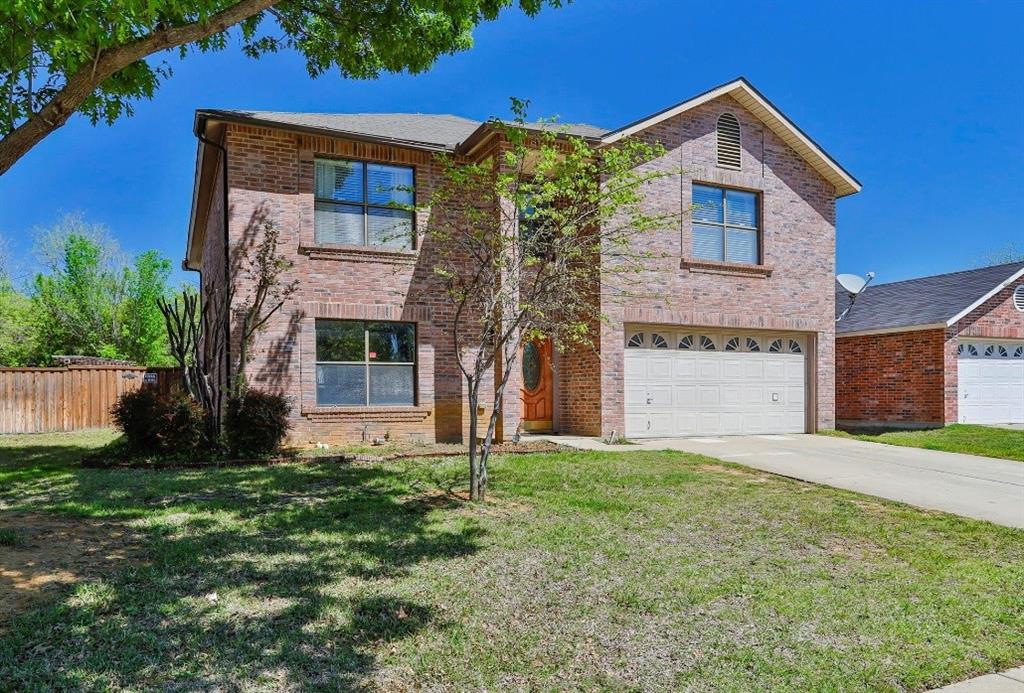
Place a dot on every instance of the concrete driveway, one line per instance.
(968, 485)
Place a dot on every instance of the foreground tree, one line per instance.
(69, 56)
(524, 245)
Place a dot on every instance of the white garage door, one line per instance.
(990, 379)
(685, 383)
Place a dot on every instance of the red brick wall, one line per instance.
(213, 285)
(996, 318)
(894, 378)
(271, 176)
(798, 211)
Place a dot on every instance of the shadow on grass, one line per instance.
(279, 576)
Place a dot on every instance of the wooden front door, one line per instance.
(538, 390)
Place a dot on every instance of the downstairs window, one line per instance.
(365, 363)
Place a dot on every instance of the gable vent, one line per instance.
(1018, 298)
(728, 131)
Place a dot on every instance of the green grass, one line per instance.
(638, 570)
(10, 538)
(966, 438)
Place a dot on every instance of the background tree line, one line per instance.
(87, 298)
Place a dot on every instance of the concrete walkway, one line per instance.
(1010, 681)
(983, 488)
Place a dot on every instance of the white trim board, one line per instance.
(984, 299)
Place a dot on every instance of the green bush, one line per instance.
(136, 415)
(181, 429)
(256, 423)
(156, 423)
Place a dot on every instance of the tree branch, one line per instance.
(80, 85)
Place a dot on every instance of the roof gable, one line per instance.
(937, 301)
(763, 109)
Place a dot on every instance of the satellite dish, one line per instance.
(853, 283)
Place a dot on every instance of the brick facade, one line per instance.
(271, 178)
(910, 378)
(896, 378)
(792, 293)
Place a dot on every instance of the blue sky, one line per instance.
(920, 101)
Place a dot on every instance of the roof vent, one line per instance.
(728, 131)
(1018, 298)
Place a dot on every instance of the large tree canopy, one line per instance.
(60, 57)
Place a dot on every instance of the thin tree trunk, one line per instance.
(476, 491)
(80, 85)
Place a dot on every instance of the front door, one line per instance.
(537, 385)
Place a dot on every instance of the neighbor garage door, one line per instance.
(990, 379)
(691, 382)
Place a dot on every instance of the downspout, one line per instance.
(227, 262)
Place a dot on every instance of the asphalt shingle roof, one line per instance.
(923, 301)
(444, 132)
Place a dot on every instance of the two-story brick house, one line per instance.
(737, 335)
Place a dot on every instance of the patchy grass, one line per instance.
(988, 441)
(11, 538)
(638, 570)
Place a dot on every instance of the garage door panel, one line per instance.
(708, 368)
(659, 395)
(709, 395)
(774, 370)
(635, 367)
(795, 370)
(636, 424)
(753, 369)
(684, 396)
(754, 394)
(732, 368)
(709, 423)
(686, 424)
(659, 368)
(732, 396)
(732, 423)
(684, 367)
(697, 392)
(636, 395)
(795, 396)
(661, 423)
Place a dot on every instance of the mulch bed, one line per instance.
(99, 461)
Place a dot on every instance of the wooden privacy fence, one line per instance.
(41, 400)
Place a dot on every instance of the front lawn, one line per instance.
(966, 438)
(637, 570)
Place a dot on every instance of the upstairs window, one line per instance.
(535, 233)
(728, 141)
(365, 363)
(726, 225)
(358, 203)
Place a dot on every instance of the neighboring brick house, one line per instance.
(738, 335)
(933, 351)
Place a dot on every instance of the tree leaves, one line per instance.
(98, 57)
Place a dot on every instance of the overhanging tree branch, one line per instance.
(81, 84)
